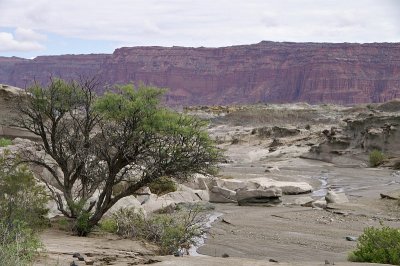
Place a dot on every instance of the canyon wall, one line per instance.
(275, 72)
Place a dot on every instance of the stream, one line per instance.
(200, 241)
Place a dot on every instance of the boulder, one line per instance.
(127, 202)
(394, 194)
(143, 194)
(303, 201)
(198, 181)
(264, 196)
(288, 188)
(202, 195)
(233, 184)
(9, 99)
(222, 195)
(336, 197)
(321, 203)
(53, 209)
(155, 203)
(181, 196)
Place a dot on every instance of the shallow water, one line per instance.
(321, 192)
(200, 241)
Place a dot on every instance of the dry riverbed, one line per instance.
(284, 235)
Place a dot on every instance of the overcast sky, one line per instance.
(29, 28)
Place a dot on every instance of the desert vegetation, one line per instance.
(173, 231)
(99, 142)
(23, 213)
(4, 142)
(376, 158)
(378, 245)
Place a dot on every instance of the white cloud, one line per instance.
(28, 35)
(207, 22)
(22, 40)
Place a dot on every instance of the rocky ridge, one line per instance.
(343, 73)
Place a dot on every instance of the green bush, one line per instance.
(162, 185)
(378, 246)
(171, 232)
(108, 225)
(21, 198)
(18, 244)
(22, 213)
(376, 158)
(82, 226)
(5, 142)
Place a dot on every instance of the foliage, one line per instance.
(82, 225)
(98, 142)
(21, 199)
(170, 231)
(378, 246)
(108, 225)
(5, 142)
(162, 185)
(18, 244)
(376, 158)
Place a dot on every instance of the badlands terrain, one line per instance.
(315, 158)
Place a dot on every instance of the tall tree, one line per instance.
(124, 138)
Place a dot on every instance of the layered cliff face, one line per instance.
(23, 72)
(264, 72)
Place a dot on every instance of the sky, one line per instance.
(29, 28)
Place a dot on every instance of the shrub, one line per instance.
(171, 232)
(376, 158)
(378, 246)
(21, 198)
(108, 225)
(18, 244)
(22, 209)
(130, 223)
(162, 185)
(82, 226)
(5, 142)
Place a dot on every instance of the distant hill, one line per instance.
(273, 72)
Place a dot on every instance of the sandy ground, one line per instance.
(105, 249)
(291, 234)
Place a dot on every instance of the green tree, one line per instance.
(124, 138)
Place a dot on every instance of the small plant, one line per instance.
(130, 223)
(376, 158)
(82, 226)
(108, 225)
(18, 244)
(378, 246)
(22, 213)
(162, 185)
(5, 142)
(21, 198)
(170, 231)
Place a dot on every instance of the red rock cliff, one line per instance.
(264, 72)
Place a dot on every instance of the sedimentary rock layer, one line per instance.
(341, 73)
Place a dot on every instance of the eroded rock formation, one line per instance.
(265, 72)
